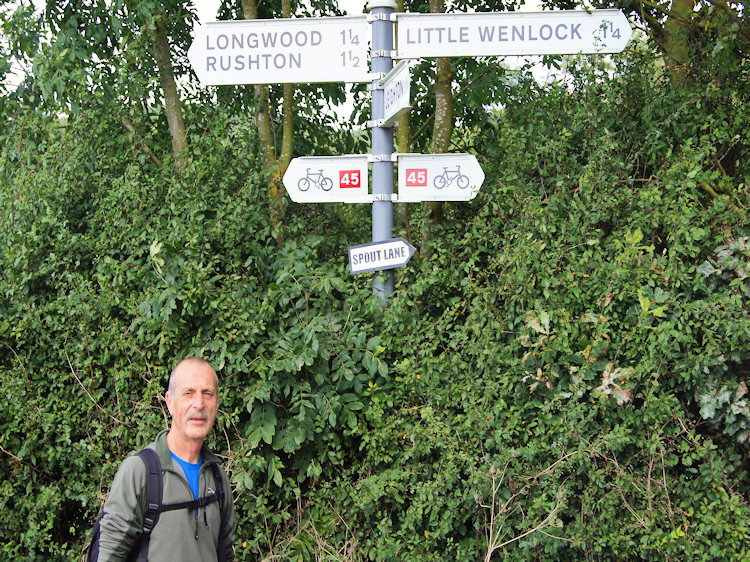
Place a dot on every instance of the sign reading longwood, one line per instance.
(511, 33)
(332, 49)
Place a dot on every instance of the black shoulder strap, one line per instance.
(219, 482)
(153, 498)
(219, 485)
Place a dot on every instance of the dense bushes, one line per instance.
(562, 376)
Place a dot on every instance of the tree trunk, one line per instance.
(443, 124)
(403, 143)
(274, 166)
(172, 105)
(676, 45)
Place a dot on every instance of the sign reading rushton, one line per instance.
(332, 49)
(511, 33)
(396, 92)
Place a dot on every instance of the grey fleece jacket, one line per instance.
(174, 536)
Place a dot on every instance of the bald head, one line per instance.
(187, 363)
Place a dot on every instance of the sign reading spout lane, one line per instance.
(379, 256)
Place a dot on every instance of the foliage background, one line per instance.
(561, 376)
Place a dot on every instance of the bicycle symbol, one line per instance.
(315, 178)
(450, 176)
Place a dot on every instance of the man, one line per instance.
(182, 535)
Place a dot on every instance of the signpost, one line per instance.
(511, 33)
(335, 49)
(327, 179)
(438, 177)
(332, 49)
(379, 256)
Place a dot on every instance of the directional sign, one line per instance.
(511, 33)
(438, 177)
(279, 51)
(328, 179)
(379, 256)
(396, 91)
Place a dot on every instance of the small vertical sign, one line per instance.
(396, 92)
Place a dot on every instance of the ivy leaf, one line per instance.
(707, 268)
(644, 302)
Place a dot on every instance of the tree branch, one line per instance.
(131, 128)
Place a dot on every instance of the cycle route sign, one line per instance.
(438, 177)
(328, 179)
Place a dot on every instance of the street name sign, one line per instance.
(511, 33)
(438, 177)
(281, 51)
(328, 179)
(379, 256)
(396, 92)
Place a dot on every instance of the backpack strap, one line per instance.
(153, 499)
(219, 483)
(192, 504)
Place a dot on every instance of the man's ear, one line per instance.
(168, 400)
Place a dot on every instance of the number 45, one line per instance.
(349, 178)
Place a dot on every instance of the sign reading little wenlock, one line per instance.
(511, 33)
(306, 50)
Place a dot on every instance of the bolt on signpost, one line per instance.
(334, 49)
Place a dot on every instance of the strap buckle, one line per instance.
(148, 525)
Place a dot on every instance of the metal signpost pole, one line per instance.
(382, 139)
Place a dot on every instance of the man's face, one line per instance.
(194, 402)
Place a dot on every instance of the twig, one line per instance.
(541, 525)
(18, 151)
(555, 536)
(550, 467)
(73, 372)
(14, 457)
(130, 127)
(666, 489)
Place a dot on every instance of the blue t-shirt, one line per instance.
(192, 472)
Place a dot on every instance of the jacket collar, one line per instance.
(167, 463)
